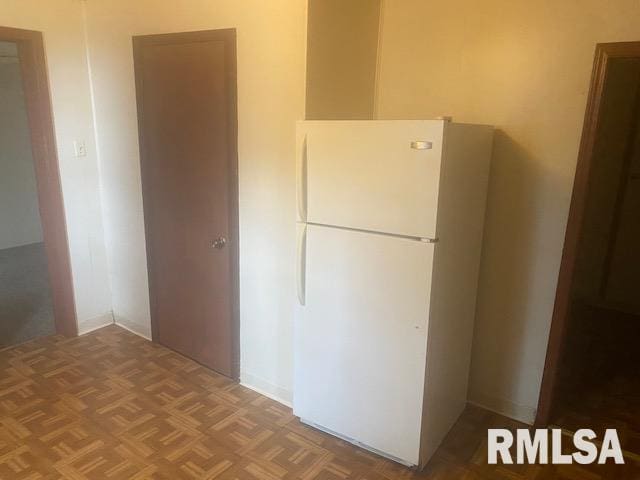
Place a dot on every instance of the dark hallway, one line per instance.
(599, 376)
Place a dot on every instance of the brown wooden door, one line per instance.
(186, 95)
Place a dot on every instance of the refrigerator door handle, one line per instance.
(302, 181)
(301, 264)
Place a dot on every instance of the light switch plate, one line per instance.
(79, 148)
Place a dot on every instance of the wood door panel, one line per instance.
(186, 101)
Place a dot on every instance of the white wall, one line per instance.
(525, 68)
(19, 215)
(61, 23)
(271, 48)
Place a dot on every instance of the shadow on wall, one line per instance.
(516, 199)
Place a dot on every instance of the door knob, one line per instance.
(219, 243)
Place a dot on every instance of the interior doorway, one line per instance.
(36, 293)
(592, 373)
(186, 96)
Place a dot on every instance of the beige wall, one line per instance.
(60, 21)
(523, 67)
(271, 50)
(19, 214)
(342, 50)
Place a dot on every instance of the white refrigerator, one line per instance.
(390, 217)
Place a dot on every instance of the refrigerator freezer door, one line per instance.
(361, 338)
(372, 175)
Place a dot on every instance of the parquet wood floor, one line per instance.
(111, 405)
(613, 403)
(599, 383)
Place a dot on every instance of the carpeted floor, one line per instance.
(26, 311)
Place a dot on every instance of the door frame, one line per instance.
(604, 52)
(45, 159)
(228, 36)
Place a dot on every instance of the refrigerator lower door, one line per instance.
(361, 338)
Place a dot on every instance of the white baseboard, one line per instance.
(274, 392)
(95, 323)
(140, 330)
(253, 382)
(521, 413)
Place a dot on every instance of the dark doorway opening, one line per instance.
(592, 373)
(36, 292)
